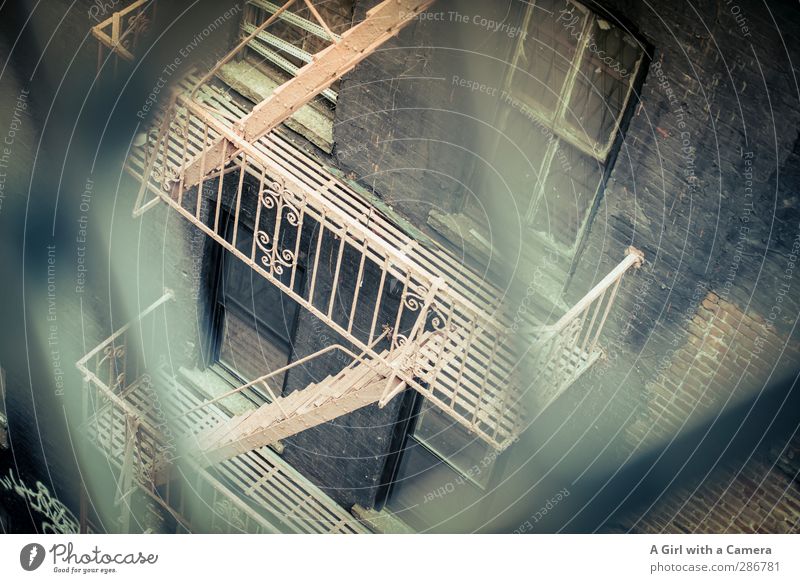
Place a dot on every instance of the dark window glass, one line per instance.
(257, 318)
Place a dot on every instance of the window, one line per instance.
(565, 97)
(255, 320)
(442, 469)
(465, 452)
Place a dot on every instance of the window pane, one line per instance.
(462, 449)
(427, 492)
(251, 351)
(569, 190)
(547, 51)
(258, 318)
(515, 166)
(254, 295)
(602, 83)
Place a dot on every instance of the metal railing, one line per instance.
(120, 33)
(262, 380)
(566, 349)
(122, 416)
(139, 427)
(358, 279)
(360, 276)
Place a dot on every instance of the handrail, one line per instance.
(395, 254)
(239, 47)
(359, 358)
(81, 364)
(124, 406)
(570, 346)
(633, 258)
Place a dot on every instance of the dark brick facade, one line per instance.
(704, 183)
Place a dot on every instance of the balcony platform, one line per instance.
(256, 491)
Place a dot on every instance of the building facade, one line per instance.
(426, 260)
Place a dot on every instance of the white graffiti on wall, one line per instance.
(59, 519)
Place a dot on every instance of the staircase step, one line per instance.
(246, 78)
(357, 385)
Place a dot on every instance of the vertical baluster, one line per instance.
(485, 380)
(316, 259)
(123, 376)
(501, 413)
(357, 291)
(184, 133)
(400, 310)
(220, 188)
(378, 298)
(239, 188)
(261, 181)
(440, 356)
(274, 255)
(550, 364)
(602, 323)
(300, 219)
(98, 374)
(464, 356)
(112, 366)
(338, 269)
(571, 357)
(201, 184)
(588, 331)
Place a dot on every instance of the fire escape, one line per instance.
(412, 316)
(120, 33)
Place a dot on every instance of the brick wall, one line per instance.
(704, 184)
(727, 356)
(760, 494)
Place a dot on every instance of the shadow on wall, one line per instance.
(704, 480)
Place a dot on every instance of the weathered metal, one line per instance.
(120, 32)
(381, 23)
(124, 419)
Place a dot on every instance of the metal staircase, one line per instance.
(454, 337)
(294, 199)
(359, 384)
(138, 418)
(413, 316)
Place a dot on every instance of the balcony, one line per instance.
(455, 333)
(119, 34)
(136, 415)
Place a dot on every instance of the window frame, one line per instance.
(218, 308)
(409, 417)
(558, 124)
(425, 443)
(561, 130)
